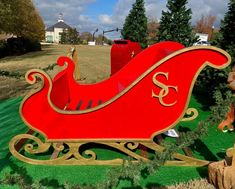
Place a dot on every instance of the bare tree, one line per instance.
(153, 26)
(85, 37)
(206, 25)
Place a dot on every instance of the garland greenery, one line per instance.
(133, 171)
(18, 75)
(49, 67)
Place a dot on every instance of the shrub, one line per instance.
(209, 81)
(18, 46)
(3, 49)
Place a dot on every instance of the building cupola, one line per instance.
(60, 18)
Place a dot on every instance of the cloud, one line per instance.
(85, 23)
(72, 10)
(120, 11)
(106, 19)
(75, 12)
(208, 7)
(154, 10)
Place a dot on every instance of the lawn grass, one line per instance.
(93, 60)
(211, 147)
(94, 64)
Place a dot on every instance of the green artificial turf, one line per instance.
(211, 147)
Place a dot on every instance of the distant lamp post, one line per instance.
(117, 29)
(94, 34)
(212, 31)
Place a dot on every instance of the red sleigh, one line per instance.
(146, 97)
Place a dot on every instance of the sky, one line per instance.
(87, 15)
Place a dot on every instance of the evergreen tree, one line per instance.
(211, 79)
(175, 23)
(227, 40)
(135, 26)
(70, 36)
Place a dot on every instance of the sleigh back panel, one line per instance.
(84, 93)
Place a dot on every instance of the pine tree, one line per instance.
(70, 36)
(227, 41)
(175, 23)
(135, 26)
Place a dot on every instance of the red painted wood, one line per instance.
(122, 52)
(134, 115)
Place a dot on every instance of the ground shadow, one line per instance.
(133, 187)
(203, 150)
(206, 102)
(16, 170)
(148, 186)
(44, 52)
(24, 176)
(200, 147)
(155, 186)
(221, 155)
(50, 183)
(5, 161)
(202, 171)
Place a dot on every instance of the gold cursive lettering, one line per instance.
(164, 89)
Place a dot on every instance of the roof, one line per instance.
(58, 25)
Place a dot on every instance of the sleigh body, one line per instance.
(145, 98)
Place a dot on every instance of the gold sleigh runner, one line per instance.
(71, 153)
(74, 124)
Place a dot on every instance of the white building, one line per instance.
(53, 33)
(202, 36)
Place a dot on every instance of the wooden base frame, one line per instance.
(74, 153)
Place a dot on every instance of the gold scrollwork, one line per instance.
(190, 111)
(72, 153)
(164, 89)
(36, 148)
(58, 146)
